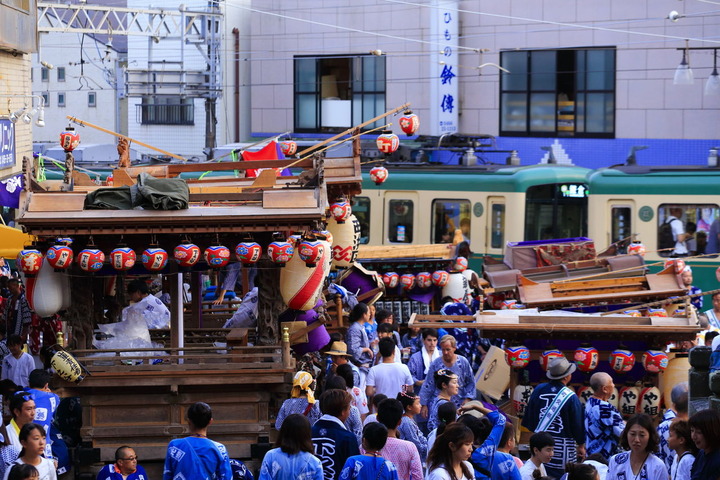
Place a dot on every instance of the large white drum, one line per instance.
(346, 239)
(300, 285)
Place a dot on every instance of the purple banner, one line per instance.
(10, 189)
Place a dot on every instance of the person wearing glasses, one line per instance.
(125, 467)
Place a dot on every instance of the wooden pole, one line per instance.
(663, 302)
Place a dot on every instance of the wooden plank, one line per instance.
(177, 168)
(598, 283)
(158, 171)
(285, 198)
(121, 178)
(586, 320)
(57, 202)
(599, 290)
(444, 250)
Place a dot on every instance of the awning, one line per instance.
(12, 241)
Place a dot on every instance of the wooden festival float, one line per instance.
(139, 396)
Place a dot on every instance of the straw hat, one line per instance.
(338, 348)
(559, 367)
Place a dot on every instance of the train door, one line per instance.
(400, 222)
(495, 228)
(621, 227)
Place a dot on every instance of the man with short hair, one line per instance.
(146, 306)
(125, 467)
(197, 456)
(46, 403)
(678, 232)
(18, 365)
(401, 453)
(339, 356)
(334, 444)
(385, 330)
(18, 314)
(420, 361)
(679, 409)
(388, 377)
(603, 423)
(554, 408)
(542, 447)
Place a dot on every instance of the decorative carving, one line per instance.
(123, 149)
(270, 302)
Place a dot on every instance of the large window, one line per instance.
(334, 93)
(694, 223)
(550, 93)
(166, 110)
(556, 211)
(361, 210)
(448, 216)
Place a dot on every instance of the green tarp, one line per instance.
(149, 193)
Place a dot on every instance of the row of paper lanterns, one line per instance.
(587, 359)
(423, 280)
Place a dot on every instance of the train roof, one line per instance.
(648, 180)
(496, 178)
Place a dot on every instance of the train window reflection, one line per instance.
(448, 216)
(621, 228)
(556, 211)
(361, 210)
(687, 229)
(400, 221)
(498, 226)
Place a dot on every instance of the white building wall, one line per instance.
(15, 80)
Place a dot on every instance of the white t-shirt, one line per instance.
(526, 472)
(46, 469)
(389, 378)
(441, 474)
(681, 470)
(677, 229)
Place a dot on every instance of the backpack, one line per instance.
(665, 235)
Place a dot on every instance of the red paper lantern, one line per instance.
(310, 251)
(59, 257)
(280, 252)
(29, 260)
(391, 279)
(636, 248)
(548, 355)
(288, 148)
(154, 259)
(587, 358)
(123, 258)
(517, 356)
(324, 233)
(340, 210)
(387, 143)
(423, 280)
(654, 361)
(440, 278)
(679, 265)
(217, 256)
(91, 259)
(461, 264)
(69, 139)
(186, 254)
(407, 281)
(622, 360)
(378, 175)
(409, 123)
(248, 252)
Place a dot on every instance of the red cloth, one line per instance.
(268, 152)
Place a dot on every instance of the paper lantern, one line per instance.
(423, 280)
(280, 252)
(59, 256)
(409, 123)
(248, 252)
(46, 296)
(622, 360)
(460, 264)
(311, 251)
(91, 259)
(288, 148)
(614, 399)
(387, 143)
(584, 392)
(457, 288)
(301, 286)
(154, 259)
(123, 258)
(440, 278)
(186, 254)
(345, 241)
(64, 241)
(587, 358)
(629, 399)
(67, 367)
(520, 398)
(69, 139)
(294, 239)
(636, 248)
(29, 260)
(517, 356)
(654, 361)
(217, 256)
(548, 355)
(407, 282)
(649, 400)
(679, 265)
(378, 175)
(340, 210)
(391, 279)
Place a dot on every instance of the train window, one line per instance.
(497, 234)
(361, 210)
(556, 211)
(621, 228)
(400, 221)
(449, 215)
(696, 224)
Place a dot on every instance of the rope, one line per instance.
(667, 301)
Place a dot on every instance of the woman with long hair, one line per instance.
(448, 457)
(357, 340)
(640, 440)
(705, 432)
(294, 458)
(32, 439)
(447, 382)
(408, 428)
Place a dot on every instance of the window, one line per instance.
(361, 210)
(497, 230)
(556, 211)
(694, 223)
(621, 227)
(46, 98)
(92, 99)
(22, 5)
(400, 221)
(44, 74)
(334, 93)
(60, 74)
(449, 215)
(61, 99)
(551, 93)
(166, 110)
